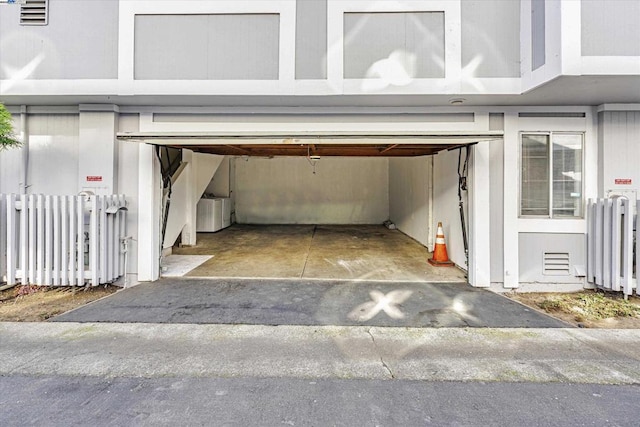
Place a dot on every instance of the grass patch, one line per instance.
(590, 305)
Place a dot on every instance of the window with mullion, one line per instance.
(551, 175)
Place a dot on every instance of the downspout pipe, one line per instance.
(24, 138)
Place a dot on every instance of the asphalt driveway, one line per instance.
(310, 302)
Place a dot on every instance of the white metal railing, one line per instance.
(612, 234)
(62, 240)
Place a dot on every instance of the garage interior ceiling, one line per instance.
(309, 146)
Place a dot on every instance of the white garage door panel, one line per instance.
(284, 190)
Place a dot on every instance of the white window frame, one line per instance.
(550, 175)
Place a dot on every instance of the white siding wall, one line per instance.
(619, 147)
(610, 28)
(284, 190)
(79, 42)
(445, 204)
(409, 190)
(53, 153)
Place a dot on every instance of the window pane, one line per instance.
(534, 190)
(567, 175)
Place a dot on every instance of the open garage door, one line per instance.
(292, 222)
(355, 144)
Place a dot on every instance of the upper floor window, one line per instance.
(551, 174)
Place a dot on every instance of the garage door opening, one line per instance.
(315, 209)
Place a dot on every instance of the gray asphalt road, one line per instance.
(93, 401)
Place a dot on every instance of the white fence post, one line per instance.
(80, 237)
(610, 244)
(11, 239)
(42, 239)
(627, 248)
(3, 237)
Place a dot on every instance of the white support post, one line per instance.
(148, 215)
(480, 215)
(511, 235)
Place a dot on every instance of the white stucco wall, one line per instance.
(409, 190)
(284, 190)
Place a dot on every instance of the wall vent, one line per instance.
(34, 12)
(556, 264)
(552, 115)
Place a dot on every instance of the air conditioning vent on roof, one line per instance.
(34, 12)
(556, 264)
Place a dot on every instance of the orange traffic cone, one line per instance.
(440, 256)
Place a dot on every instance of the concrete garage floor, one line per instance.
(340, 252)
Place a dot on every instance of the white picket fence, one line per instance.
(612, 257)
(62, 240)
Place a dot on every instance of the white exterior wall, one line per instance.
(587, 56)
(619, 147)
(11, 164)
(445, 204)
(410, 191)
(53, 153)
(284, 190)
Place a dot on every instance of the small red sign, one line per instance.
(623, 181)
(94, 178)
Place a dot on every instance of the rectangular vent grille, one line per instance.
(552, 115)
(556, 264)
(34, 12)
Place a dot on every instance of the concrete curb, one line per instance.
(444, 354)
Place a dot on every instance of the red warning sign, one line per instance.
(623, 181)
(94, 178)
